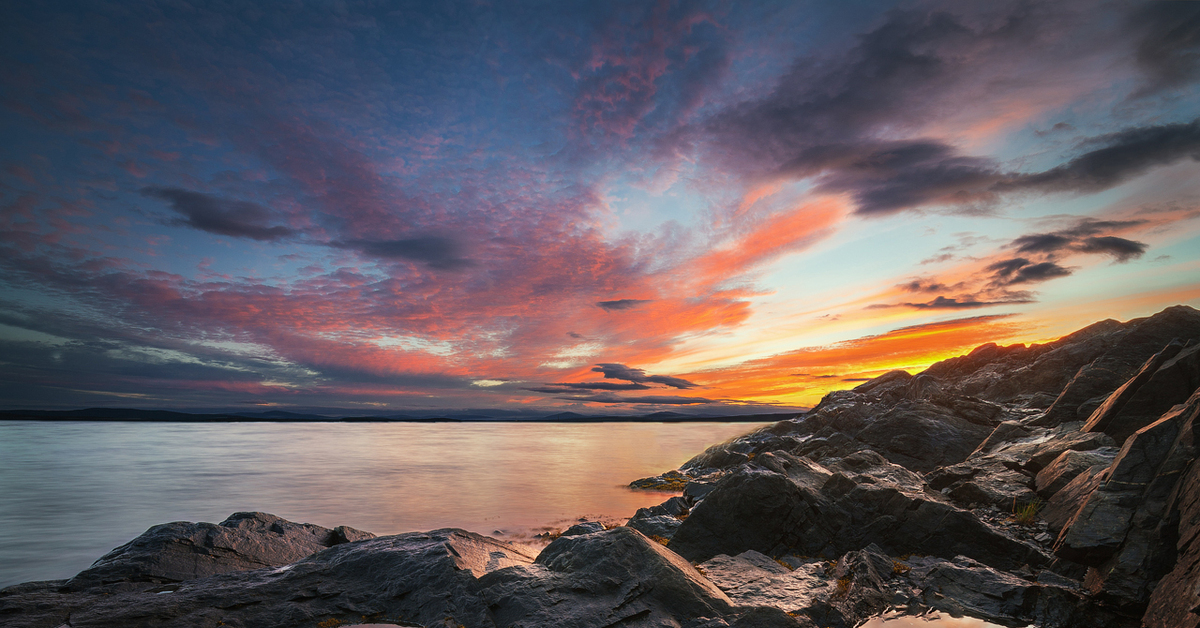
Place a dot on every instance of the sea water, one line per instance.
(72, 491)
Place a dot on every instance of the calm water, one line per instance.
(70, 492)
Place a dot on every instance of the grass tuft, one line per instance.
(1027, 514)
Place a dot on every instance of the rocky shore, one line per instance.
(1052, 485)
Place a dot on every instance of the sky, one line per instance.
(598, 207)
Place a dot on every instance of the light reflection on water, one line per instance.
(927, 620)
(71, 491)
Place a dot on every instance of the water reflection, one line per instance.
(73, 491)
(926, 620)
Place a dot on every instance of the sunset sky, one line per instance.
(597, 207)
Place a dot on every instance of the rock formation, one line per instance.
(1053, 484)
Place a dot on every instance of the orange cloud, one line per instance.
(782, 233)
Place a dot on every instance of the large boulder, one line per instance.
(178, 551)
(1175, 599)
(776, 514)
(1167, 378)
(615, 577)
(1068, 466)
(1093, 383)
(427, 578)
(1126, 529)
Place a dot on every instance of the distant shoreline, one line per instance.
(163, 416)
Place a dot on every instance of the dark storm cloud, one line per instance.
(621, 304)
(1168, 50)
(238, 219)
(620, 371)
(434, 251)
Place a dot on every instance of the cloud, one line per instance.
(238, 219)
(621, 304)
(943, 303)
(1081, 238)
(1004, 269)
(801, 374)
(1042, 243)
(1034, 273)
(1168, 50)
(563, 387)
(434, 251)
(1121, 156)
(1120, 248)
(864, 122)
(620, 371)
(647, 399)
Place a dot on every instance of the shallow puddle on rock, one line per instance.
(927, 620)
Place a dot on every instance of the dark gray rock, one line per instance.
(1066, 502)
(616, 577)
(669, 481)
(768, 617)
(769, 512)
(419, 578)
(586, 527)
(1099, 528)
(966, 587)
(1174, 601)
(1035, 375)
(1169, 377)
(178, 551)
(660, 526)
(1122, 360)
(1068, 465)
(1126, 530)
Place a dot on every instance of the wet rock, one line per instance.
(178, 551)
(966, 587)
